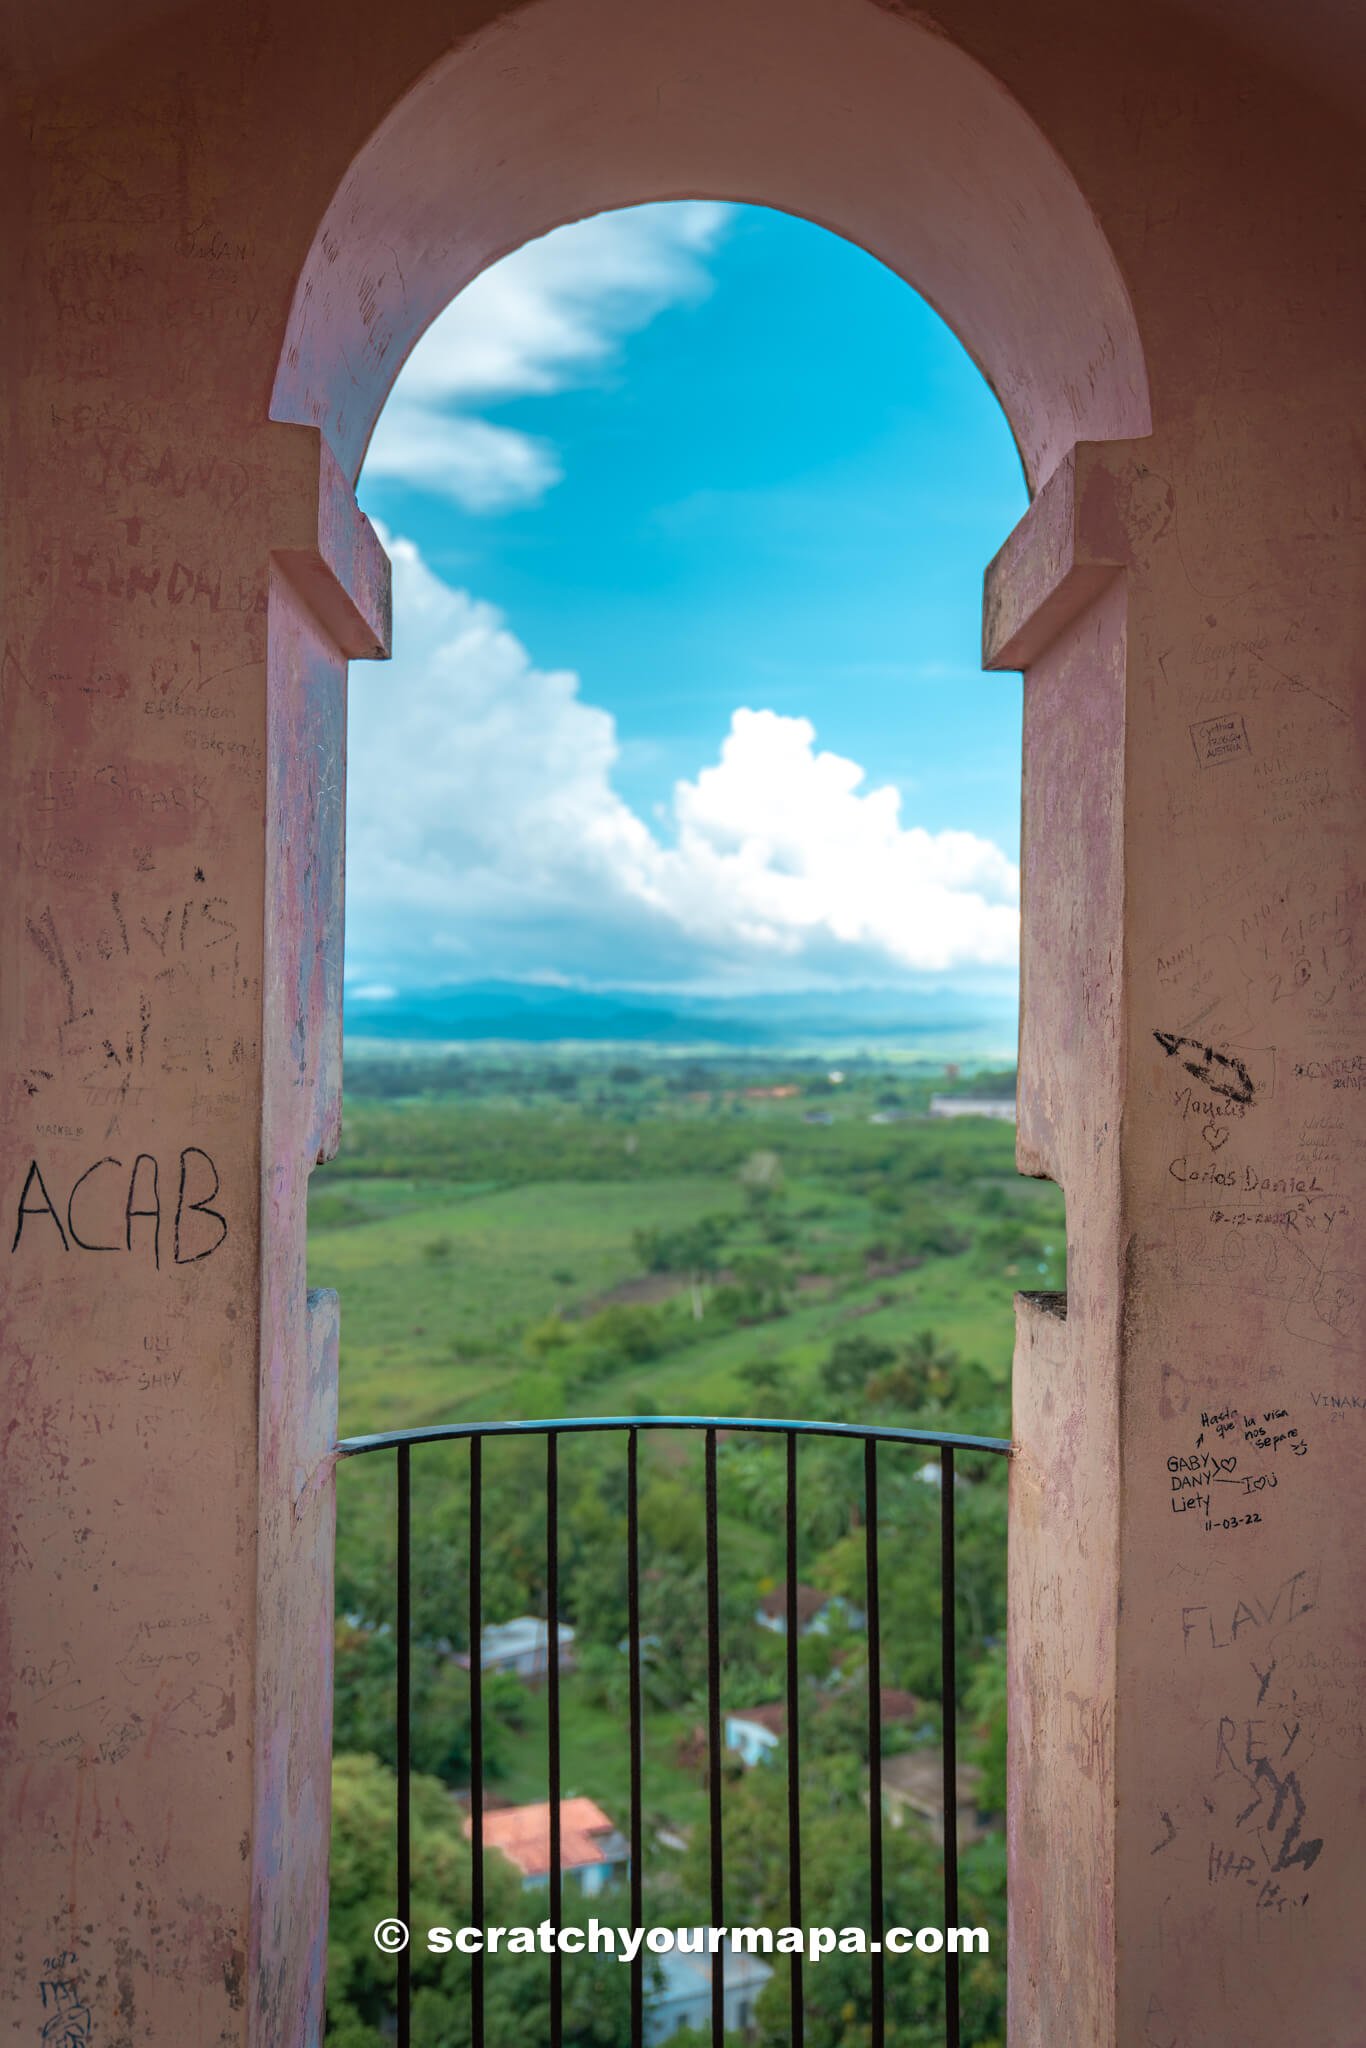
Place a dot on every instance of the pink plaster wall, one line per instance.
(1064, 1556)
(1136, 217)
(1240, 1653)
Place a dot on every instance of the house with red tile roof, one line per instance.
(593, 1850)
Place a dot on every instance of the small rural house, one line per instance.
(913, 1787)
(815, 1611)
(683, 1998)
(755, 1732)
(593, 1851)
(521, 1647)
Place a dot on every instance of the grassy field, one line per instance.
(440, 1282)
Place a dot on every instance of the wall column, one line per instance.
(180, 598)
(1188, 1640)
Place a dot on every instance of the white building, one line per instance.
(521, 1647)
(683, 1996)
(755, 1732)
(1001, 1106)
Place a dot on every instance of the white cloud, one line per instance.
(486, 837)
(483, 467)
(550, 314)
(787, 842)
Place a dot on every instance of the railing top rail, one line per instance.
(455, 1432)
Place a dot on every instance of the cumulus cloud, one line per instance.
(787, 841)
(487, 838)
(550, 314)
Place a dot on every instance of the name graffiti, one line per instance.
(120, 458)
(1294, 1597)
(1346, 1071)
(1192, 1475)
(1251, 1179)
(1193, 1105)
(1220, 739)
(100, 1211)
(184, 583)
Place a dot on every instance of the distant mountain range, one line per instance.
(546, 1013)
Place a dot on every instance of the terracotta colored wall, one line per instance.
(182, 580)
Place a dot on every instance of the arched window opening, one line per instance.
(682, 954)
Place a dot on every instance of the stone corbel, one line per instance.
(1068, 547)
(329, 552)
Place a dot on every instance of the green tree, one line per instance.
(986, 1707)
(852, 1362)
(361, 1981)
(768, 1380)
(837, 1997)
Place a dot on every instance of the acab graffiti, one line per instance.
(113, 1207)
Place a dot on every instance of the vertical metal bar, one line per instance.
(876, 1908)
(949, 1691)
(552, 1653)
(404, 1647)
(637, 1734)
(476, 1733)
(794, 1798)
(718, 1980)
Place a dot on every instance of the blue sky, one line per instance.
(689, 507)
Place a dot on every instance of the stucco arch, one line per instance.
(855, 114)
(863, 118)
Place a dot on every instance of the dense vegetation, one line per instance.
(529, 1234)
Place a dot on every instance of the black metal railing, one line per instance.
(403, 1442)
